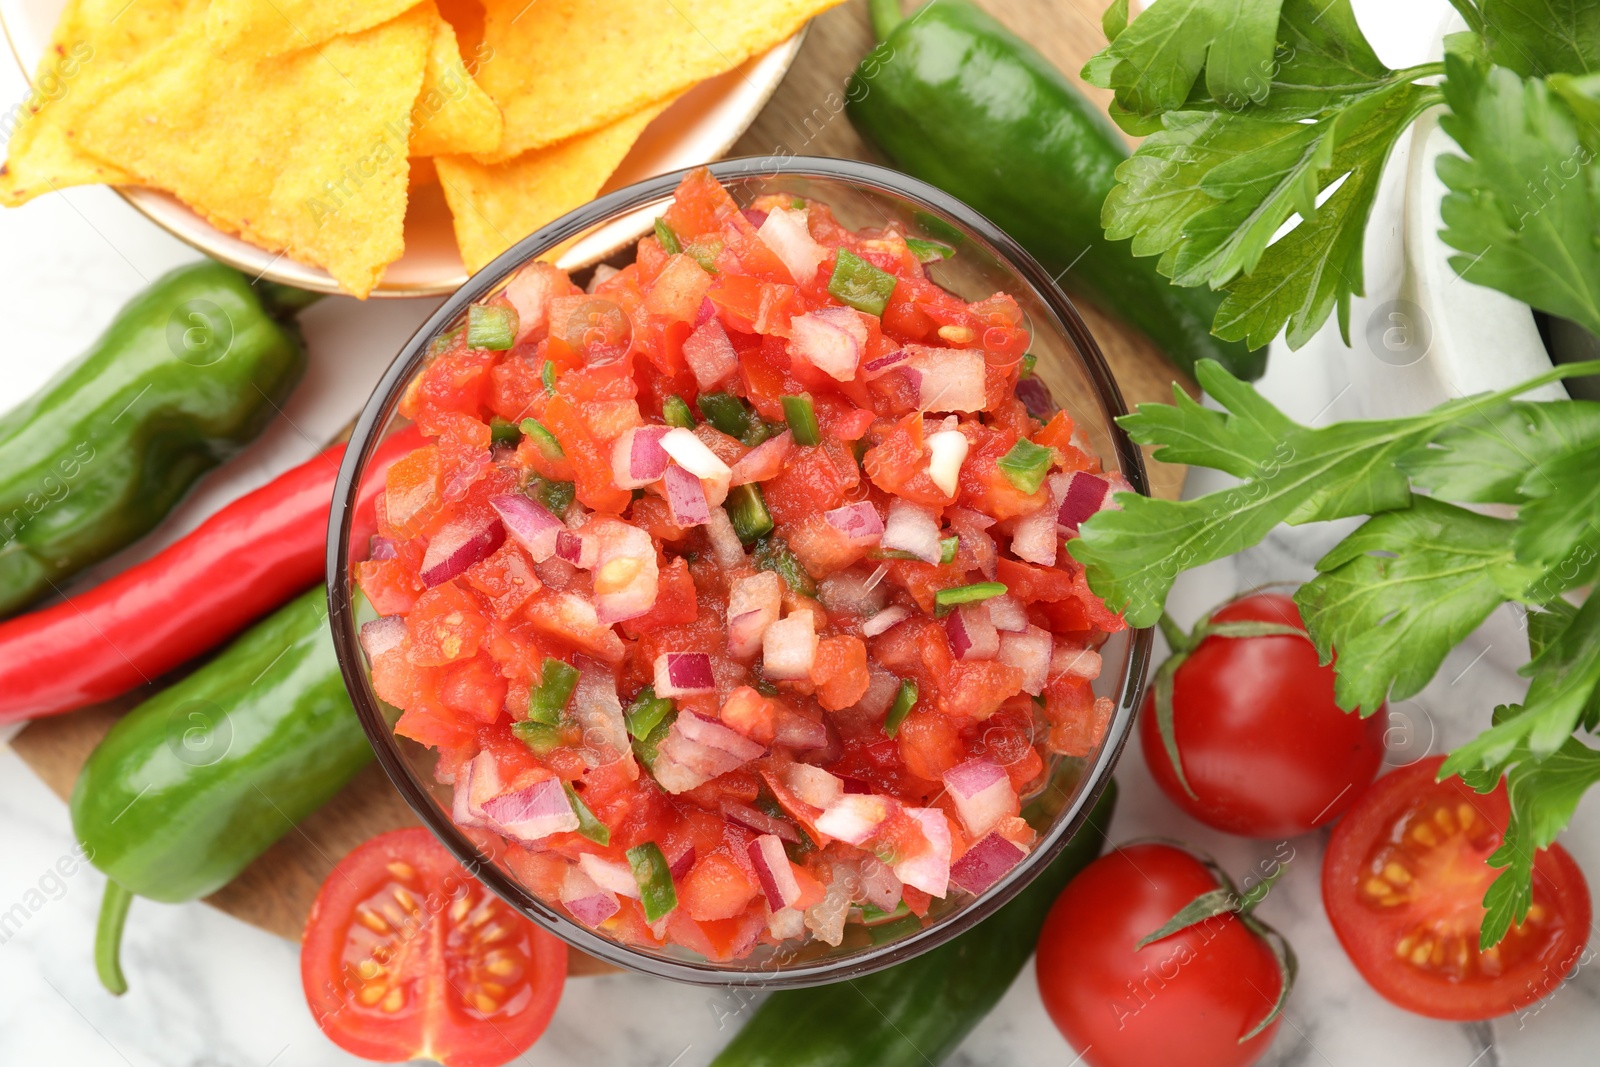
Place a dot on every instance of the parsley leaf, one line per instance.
(1523, 208)
(1538, 37)
(1558, 531)
(1399, 593)
(1486, 456)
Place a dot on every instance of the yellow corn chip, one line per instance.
(451, 115)
(562, 67)
(303, 153)
(272, 27)
(93, 41)
(497, 205)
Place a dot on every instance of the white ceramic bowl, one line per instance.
(701, 126)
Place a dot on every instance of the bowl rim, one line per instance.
(385, 397)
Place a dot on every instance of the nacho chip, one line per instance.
(497, 205)
(92, 42)
(452, 115)
(272, 27)
(304, 153)
(563, 67)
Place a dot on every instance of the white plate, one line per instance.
(698, 128)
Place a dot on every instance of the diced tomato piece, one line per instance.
(819, 547)
(506, 578)
(430, 729)
(840, 671)
(445, 626)
(752, 714)
(815, 480)
(413, 492)
(930, 743)
(591, 464)
(678, 290)
(699, 205)
(1030, 582)
(975, 689)
(675, 604)
(984, 486)
(474, 689)
(715, 888)
(1078, 722)
(916, 900)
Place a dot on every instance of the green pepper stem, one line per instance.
(108, 937)
(886, 15)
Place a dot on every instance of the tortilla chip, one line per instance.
(559, 68)
(497, 205)
(303, 153)
(452, 115)
(272, 27)
(93, 41)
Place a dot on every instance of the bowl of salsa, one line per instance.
(722, 616)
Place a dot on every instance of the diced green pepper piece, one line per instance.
(797, 204)
(447, 340)
(1029, 362)
(588, 825)
(543, 439)
(948, 547)
(1026, 465)
(668, 239)
(548, 375)
(760, 429)
(747, 510)
(549, 700)
(675, 412)
(555, 496)
(726, 412)
(773, 554)
(650, 870)
(645, 712)
(945, 600)
(542, 738)
(704, 250)
(801, 414)
(859, 284)
(870, 914)
(928, 251)
(904, 701)
(491, 326)
(504, 434)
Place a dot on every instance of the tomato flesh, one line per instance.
(1404, 881)
(406, 955)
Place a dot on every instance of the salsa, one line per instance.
(730, 590)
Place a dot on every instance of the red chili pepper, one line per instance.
(243, 562)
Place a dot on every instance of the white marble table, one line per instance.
(208, 990)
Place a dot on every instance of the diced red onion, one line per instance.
(985, 863)
(693, 456)
(789, 647)
(637, 458)
(381, 548)
(627, 578)
(754, 603)
(764, 461)
(929, 869)
(854, 785)
(530, 291)
(813, 785)
(603, 273)
(854, 817)
(585, 900)
(598, 710)
(849, 593)
(758, 820)
(787, 233)
(710, 355)
(972, 635)
(576, 549)
(1034, 538)
(879, 886)
(726, 548)
(1035, 396)
(1007, 613)
(609, 875)
(1085, 495)
(830, 339)
(528, 524)
(826, 918)
(534, 813)
(878, 366)
(1065, 660)
(883, 620)
(680, 866)
(982, 793)
(686, 498)
(951, 378)
(707, 312)
(710, 734)
(772, 869)
(882, 687)
(859, 522)
(681, 674)
(380, 635)
(754, 216)
(458, 546)
(1029, 652)
(787, 923)
(947, 451)
(794, 730)
(912, 528)
(462, 811)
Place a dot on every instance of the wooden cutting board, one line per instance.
(804, 118)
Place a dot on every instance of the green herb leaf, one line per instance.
(1538, 37)
(1485, 457)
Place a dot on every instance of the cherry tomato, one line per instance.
(406, 955)
(1264, 747)
(1187, 998)
(1403, 882)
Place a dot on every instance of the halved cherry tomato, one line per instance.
(406, 955)
(1403, 882)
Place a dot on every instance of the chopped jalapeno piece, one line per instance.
(725, 412)
(1025, 465)
(447, 340)
(674, 412)
(548, 376)
(542, 738)
(588, 825)
(704, 251)
(668, 239)
(904, 701)
(859, 284)
(801, 414)
(491, 326)
(646, 712)
(948, 547)
(655, 880)
(549, 700)
(1029, 361)
(503, 434)
(555, 496)
(543, 439)
(747, 510)
(797, 204)
(773, 554)
(945, 600)
(928, 251)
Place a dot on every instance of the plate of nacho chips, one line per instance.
(380, 147)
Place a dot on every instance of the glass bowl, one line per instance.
(986, 261)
